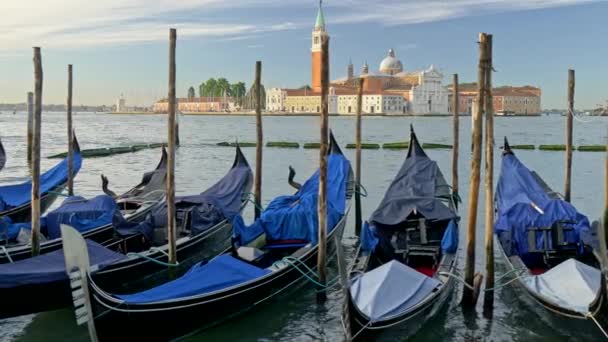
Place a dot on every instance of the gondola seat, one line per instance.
(419, 241)
(555, 248)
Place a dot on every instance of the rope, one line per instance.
(250, 197)
(58, 193)
(496, 287)
(294, 261)
(590, 315)
(361, 330)
(8, 256)
(144, 256)
(361, 187)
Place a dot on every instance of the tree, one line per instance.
(307, 87)
(238, 91)
(223, 87)
(191, 93)
(210, 87)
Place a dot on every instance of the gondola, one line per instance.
(2, 156)
(95, 213)
(266, 259)
(137, 252)
(547, 246)
(15, 198)
(407, 253)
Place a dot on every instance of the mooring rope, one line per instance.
(295, 261)
(250, 197)
(144, 256)
(590, 315)
(8, 256)
(496, 287)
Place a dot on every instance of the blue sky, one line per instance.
(120, 46)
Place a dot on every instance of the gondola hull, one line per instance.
(131, 322)
(401, 326)
(100, 235)
(23, 213)
(564, 321)
(130, 273)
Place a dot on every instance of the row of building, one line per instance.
(389, 91)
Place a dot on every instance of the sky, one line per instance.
(121, 46)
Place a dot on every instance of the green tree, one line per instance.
(223, 87)
(238, 91)
(191, 93)
(210, 88)
(307, 87)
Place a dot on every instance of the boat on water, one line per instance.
(92, 217)
(266, 258)
(548, 245)
(15, 199)
(401, 275)
(2, 156)
(135, 255)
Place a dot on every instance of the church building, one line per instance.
(390, 90)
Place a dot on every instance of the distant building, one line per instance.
(508, 100)
(198, 105)
(389, 91)
(121, 104)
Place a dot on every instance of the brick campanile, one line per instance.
(317, 34)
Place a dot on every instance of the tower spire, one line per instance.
(320, 22)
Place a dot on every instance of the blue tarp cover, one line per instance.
(50, 267)
(12, 196)
(221, 201)
(80, 213)
(449, 242)
(516, 193)
(369, 240)
(219, 273)
(295, 217)
(390, 289)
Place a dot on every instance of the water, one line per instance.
(296, 317)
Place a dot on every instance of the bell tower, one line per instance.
(317, 35)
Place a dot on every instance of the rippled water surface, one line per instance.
(296, 316)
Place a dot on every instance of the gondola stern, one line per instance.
(2, 156)
(506, 149)
(239, 159)
(334, 148)
(75, 144)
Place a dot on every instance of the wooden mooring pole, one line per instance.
(488, 302)
(469, 296)
(456, 137)
(322, 202)
(569, 115)
(35, 232)
(171, 231)
(358, 215)
(30, 127)
(70, 135)
(259, 139)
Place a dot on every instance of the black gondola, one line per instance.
(134, 205)
(2, 156)
(227, 285)
(547, 246)
(402, 273)
(15, 199)
(127, 263)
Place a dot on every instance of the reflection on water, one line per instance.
(295, 316)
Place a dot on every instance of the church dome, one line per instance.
(390, 64)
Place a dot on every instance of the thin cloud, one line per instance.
(78, 23)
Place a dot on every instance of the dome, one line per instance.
(390, 64)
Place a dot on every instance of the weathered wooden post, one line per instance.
(30, 127)
(358, 159)
(604, 224)
(488, 302)
(569, 115)
(35, 232)
(70, 135)
(468, 297)
(259, 138)
(455, 136)
(322, 203)
(171, 231)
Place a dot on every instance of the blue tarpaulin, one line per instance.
(295, 217)
(449, 242)
(12, 196)
(80, 213)
(523, 203)
(369, 240)
(50, 267)
(219, 273)
(222, 201)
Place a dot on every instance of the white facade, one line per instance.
(121, 104)
(429, 96)
(275, 100)
(372, 104)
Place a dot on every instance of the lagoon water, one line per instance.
(296, 316)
